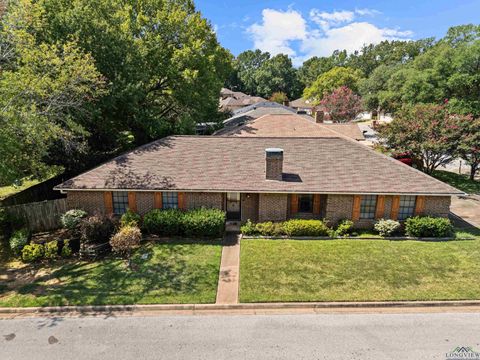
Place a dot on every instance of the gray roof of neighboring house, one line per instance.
(301, 103)
(220, 164)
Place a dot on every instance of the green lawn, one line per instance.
(6, 191)
(177, 272)
(461, 182)
(358, 270)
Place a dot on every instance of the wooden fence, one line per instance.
(40, 216)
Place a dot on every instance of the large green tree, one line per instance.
(277, 74)
(312, 68)
(245, 68)
(44, 90)
(331, 80)
(162, 64)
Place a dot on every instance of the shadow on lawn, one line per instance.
(155, 274)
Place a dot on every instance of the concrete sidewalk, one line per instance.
(228, 280)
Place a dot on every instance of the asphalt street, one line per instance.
(320, 336)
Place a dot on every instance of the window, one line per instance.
(170, 200)
(368, 206)
(305, 203)
(120, 202)
(407, 207)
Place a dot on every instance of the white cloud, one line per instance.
(350, 37)
(277, 30)
(326, 19)
(326, 32)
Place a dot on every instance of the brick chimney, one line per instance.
(286, 102)
(273, 164)
(319, 116)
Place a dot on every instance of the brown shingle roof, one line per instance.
(211, 163)
(292, 125)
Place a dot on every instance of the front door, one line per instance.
(233, 206)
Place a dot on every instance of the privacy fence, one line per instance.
(40, 216)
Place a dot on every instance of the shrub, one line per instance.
(344, 228)
(248, 228)
(125, 240)
(72, 218)
(32, 252)
(96, 229)
(269, 228)
(66, 249)
(163, 222)
(386, 227)
(51, 250)
(18, 240)
(298, 227)
(428, 227)
(204, 222)
(130, 218)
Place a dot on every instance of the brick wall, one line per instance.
(272, 207)
(90, 201)
(339, 207)
(209, 200)
(437, 205)
(249, 207)
(145, 202)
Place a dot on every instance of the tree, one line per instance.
(374, 89)
(245, 68)
(312, 68)
(277, 75)
(428, 131)
(44, 89)
(278, 97)
(331, 80)
(342, 104)
(162, 64)
(469, 143)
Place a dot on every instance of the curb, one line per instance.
(52, 310)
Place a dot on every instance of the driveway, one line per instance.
(321, 336)
(467, 208)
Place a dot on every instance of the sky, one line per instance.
(303, 29)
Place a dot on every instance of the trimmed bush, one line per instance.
(298, 227)
(248, 228)
(96, 229)
(18, 240)
(130, 218)
(269, 228)
(32, 252)
(66, 249)
(386, 227)
(72, 218)
(204, 222)
(163, 222)
(344, 228)
(51, 250)
(428, 226)
(127, 238)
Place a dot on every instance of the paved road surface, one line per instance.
(322, 336)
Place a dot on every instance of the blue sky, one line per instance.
(306, 28)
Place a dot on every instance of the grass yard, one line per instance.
(358, 270)
(176, 272)
(461, 182)
(6, 191)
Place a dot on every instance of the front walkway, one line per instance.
(227, 291)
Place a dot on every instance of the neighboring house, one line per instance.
(261, 178)
(292, 125)
(234, 100)
(303, 104)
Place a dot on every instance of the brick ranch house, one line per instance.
(261, 178)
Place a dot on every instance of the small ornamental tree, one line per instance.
(342, 104)
(428, 131)
(125, 240)
(469, 143)
(278, 97)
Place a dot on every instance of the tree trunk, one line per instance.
(473, 171)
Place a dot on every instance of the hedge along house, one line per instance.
(261, 178)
